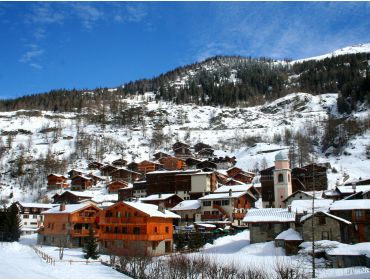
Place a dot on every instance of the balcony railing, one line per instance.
(122, 220)
(142, 236)
(82, 233)
(81, 219)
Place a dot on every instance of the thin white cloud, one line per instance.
(88, 14)
(32, 55)
(36, 66)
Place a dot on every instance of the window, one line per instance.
(325, 235)
(25, 216)
(214, 212)
(34, 216)
(33, 224)
(155, 230)
(359, 214)
(167, 229)
(136, 230)
(124, 230)
(25, 223)
(207, 203)
(280, 178)
(224, 202)
(154, 245)
(64, 226)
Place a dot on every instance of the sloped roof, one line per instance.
(281, 215)
(156, 196)
(76, 193)
(302, 205)
(351, 204)
(151, 210)
(304, 218)
(234, 188)
(187, 205)
(223, 195)
(36, 205)
(69, 208)
(289, 234)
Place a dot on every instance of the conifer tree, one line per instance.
(12, 224)
(91, 246)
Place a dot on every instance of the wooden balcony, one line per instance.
(82, 233)
(122, 236)
(123, 220)
(238, 216)
(82, 220)
(211, 217)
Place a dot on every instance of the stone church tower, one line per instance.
(282, 179)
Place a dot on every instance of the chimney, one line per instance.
(230, 192)
(354, 187)
(62, 207)
(161, 207)
(159, 195)
(289, 208)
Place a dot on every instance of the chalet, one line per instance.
(345, 255)
(267, 223)
(179, 145)
(56, 181)
(183, 152)
(125, 175)
(30, 215)
(133, 166)
(350, 192)
(167, 200)
(290, 240)
(107, 170)
(206, 164)
(244, 177)
(200, 146)
(249, 188)
(222, 179)
(139, 189)
(74, 172)
(148, 166)
(81, 183)
(358, 212)
(189, 211)
(68, 225)
(159, 155)
(192, 162)
(327, 227)
(172, 163)
(358, 182)
(205, 153)
(301, 195)
(230, 206)
(95, 179)
(224, 162)
(202, 183)
(125, 194)
(178, 182)
(95, 165)
(231, 172)
(135, 228)
(114, 186)
(70, 197)
(119, 162)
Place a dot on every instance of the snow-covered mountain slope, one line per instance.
(361, 48)
(251, 134)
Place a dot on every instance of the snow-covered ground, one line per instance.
(19, 260)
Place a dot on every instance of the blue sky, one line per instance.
(45, 45)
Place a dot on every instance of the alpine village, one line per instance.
(171, 178)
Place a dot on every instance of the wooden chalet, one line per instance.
(95, 165)
(148, 166)
(81, 183)
(182, 152)
(56, 181)
(231, 172)
(114, 186)
(70, 197)
(95, 179)
(167, 200)
(244, 177)
(139, 189)
(133, 166)
(68, 225)
(119, 162)
(135, 228)
(179, 145)
(125, 175)
(159, 155)
(125, 194)
(107, 170)
(224, 162)
(172, 163)
(200, 146)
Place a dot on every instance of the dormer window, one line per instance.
(280, 178)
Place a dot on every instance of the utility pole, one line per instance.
(312, 223)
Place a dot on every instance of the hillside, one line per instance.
(36, 143)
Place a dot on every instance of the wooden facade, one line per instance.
(69, 197)
(95, 165)
(119, 162)
(56, 181)
(159, 155)
(133, 166)
(125, 175)
(127, 230)
(172, 163)
(68, 225)
(179, 145)
(125, 194)
(148, 166)
(200, 146)
(182, 152)
(107, 170)
(81, 183)
(167, 201)
(114, 186)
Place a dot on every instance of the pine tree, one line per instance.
(12, 224)
(91, 246)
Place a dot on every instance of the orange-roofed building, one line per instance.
(68, 224)
(135, 228)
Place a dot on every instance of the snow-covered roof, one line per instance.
(351, 204)
(222, 195)
(281, 156)
(353, 250)
(327, 214)
(289, 234)
(69, 208)
(151, 210)
(36, 205)
(173, 171)
(56, 175)
(187, 205)
(234, 188)
(305, 205)
(269, 215)
(206, 225)
(349, 189)
(158, 197)
(77, 193)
